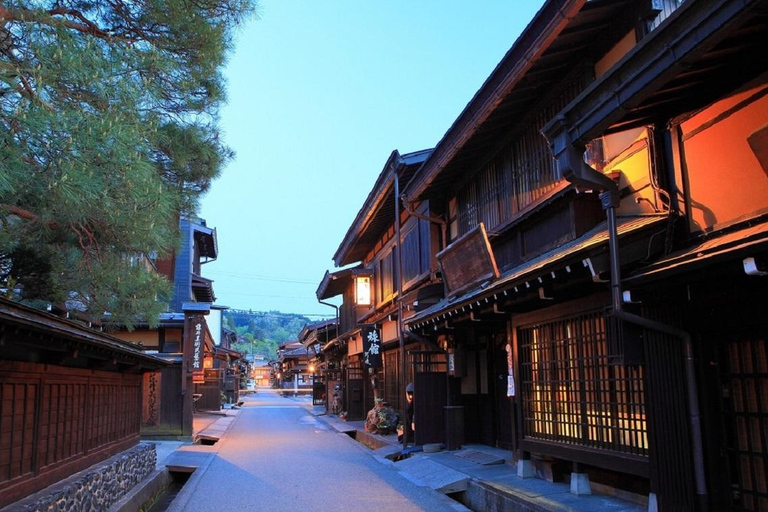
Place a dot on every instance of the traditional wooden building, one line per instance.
(229, 373)
(184, 338)
(314, 338)
(292, 371)
(394, 252)
(604, 282)
(70, 396)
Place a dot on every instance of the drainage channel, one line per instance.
(163, 500)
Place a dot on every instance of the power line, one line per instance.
(275, 313)
(259, 277)
(301, 297)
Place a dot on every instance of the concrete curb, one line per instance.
(200, 458)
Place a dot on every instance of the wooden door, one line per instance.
(355, 391)
(744, 382)
(430, 396)
(429, 399)
(503, 404)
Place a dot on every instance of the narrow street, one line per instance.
(277, 456)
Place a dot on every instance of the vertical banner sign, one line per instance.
(150, 412)
(510, 371)
(196, 324)
(371, 347)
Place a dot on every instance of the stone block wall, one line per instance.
(96, 488)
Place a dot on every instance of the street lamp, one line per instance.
(363, 290)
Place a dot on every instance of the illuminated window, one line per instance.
(571, 394)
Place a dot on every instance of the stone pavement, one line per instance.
(481, 476)
(486, 475)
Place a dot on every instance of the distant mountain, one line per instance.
(270, 325)
(261, 332)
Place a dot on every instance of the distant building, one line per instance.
(291, 370)
(190, 337)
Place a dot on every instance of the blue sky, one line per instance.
(320, 93)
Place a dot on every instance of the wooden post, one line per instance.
(186, 380)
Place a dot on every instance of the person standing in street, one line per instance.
(409, 416)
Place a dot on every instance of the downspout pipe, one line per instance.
(693, 398)
(399, 263)
(694, 412)
(334, 306)
(570, 162)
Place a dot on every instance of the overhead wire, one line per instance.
(261, 277)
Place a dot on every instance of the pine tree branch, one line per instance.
(20, 212)
(24, 87)
(87, 25)
(25, 214)
(53, 17)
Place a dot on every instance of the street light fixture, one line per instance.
(363, 290)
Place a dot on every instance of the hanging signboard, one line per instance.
(510, 385)
(197, 332)
(467, 262)
(510, 371)
(371, 347)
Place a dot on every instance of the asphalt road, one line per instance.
(276, 456)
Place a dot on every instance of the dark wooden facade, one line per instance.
(171, 395)
(192, 381)
(293, 371)
(323, 366)
(660, 393)
(396, 249)
(69, 397)
(603, 282)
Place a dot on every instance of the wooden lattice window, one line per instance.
(416, 249)
(520, 173)
(392, 371)
(572, 395)
(355, 369)
(386, 276)
(664, 9)
(747, 421)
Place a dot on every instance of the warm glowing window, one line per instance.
(385, 278)
(572, 395)
(630, 154)
(725, 156)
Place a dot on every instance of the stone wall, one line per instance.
(95, 489)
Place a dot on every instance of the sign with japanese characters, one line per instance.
(510, 370)
(197, 333)
(371, 347)
(150, 413)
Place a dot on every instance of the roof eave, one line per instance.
(543, 29)
(376, 197)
